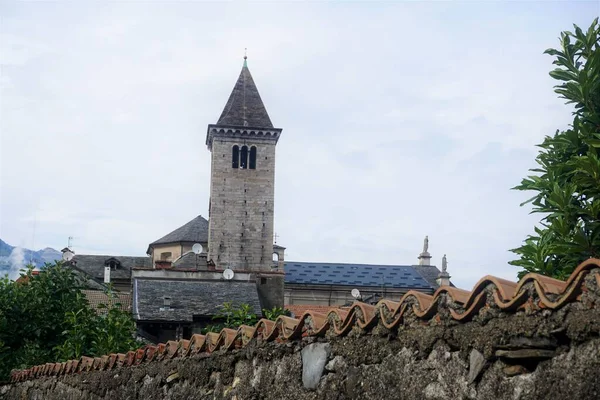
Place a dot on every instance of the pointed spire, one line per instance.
(245, 107)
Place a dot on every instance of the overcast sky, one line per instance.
(399, 120)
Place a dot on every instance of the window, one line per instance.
(235, 157)
(166, 255)
(112, 263)
(244, 157)
(253, 157)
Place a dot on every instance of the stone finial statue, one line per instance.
(444, 264)
(425, 257)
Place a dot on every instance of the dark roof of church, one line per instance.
(189, 298)
(93, 265)
(194, 231)
(245, 107)
(361, 275)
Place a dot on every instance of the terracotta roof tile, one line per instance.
(97, 297)
(299, 309)
(533, 292)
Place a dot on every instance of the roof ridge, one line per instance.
(368, 265)
(195, 230)
(108, 255)
(531, 293)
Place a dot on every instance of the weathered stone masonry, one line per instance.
(420, 363)
(241, 206)
(536, 339)
(242, 185)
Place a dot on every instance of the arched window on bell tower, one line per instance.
(253, 157)
(244, 157)
(235, 156)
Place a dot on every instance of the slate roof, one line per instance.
(93, 265)
(190, 260)
(390, 276)
(490, 298)
(429, 273)
(189, 298)
(195, 231)
(245, 107)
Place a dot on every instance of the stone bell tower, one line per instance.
(240, 231)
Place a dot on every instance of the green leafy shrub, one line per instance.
(567, 179)
(45, 318)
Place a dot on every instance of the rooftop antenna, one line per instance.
(197, 249)
(67, 255)
(275, 236)
(228, 274)
(69, 241)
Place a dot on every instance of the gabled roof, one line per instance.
(245, 107)
(93, 265)
(195, 231)
(361, 275)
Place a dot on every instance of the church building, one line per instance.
(230, 257)
(183, 289)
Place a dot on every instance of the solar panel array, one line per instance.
(397, 276)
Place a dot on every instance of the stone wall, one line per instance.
(541, 355)
(241, 206)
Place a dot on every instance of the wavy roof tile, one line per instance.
(533, 293)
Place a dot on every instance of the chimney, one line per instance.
(425, 257)
(210, 265)
(444, 277)
(107, 274)
(162, 264)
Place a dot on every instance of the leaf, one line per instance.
(563, 75)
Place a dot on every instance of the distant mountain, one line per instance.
(14, 258)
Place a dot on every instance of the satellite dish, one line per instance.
(67, 256)
(355, 293)
(228, 274)
(197, 248)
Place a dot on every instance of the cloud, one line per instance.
(16, 261)
(398, 122)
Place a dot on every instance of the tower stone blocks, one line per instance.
(242, 190)
(240, 232)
